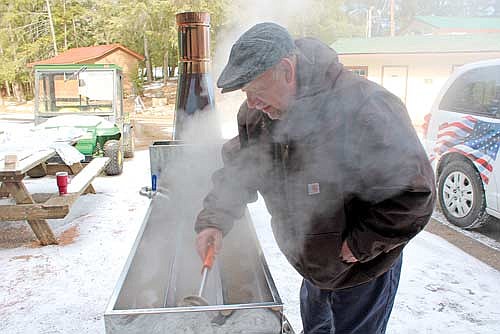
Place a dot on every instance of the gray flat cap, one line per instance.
(257, 50)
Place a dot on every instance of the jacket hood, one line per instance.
(317, 70)
(317, 64)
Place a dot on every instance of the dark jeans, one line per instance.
(363, 309)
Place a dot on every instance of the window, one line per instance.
(359, 70)
(475, 92)
(76, 91)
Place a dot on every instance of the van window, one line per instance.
(475, 92)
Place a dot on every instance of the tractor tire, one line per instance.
(113, 150)
(461, 195)
(129, 146)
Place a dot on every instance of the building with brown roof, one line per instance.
(116, 54)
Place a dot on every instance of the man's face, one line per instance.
(269, 92)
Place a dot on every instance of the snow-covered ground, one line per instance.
(65, 288)
(442, 289)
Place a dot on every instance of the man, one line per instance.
(340, 168)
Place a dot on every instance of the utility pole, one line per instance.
(369, 19)
(52, 27)
(393, 27)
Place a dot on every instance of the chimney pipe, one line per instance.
(195, 93)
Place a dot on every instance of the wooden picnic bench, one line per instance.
(56, 206)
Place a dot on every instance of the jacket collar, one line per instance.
(317, 70)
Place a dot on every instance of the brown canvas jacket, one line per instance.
(344, 164)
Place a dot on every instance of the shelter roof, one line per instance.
(85, 54)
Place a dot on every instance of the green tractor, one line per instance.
(87, 97)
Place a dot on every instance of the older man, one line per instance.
(340, 168)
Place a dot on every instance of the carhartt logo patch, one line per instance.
(313, 188)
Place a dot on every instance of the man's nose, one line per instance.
(253, 102)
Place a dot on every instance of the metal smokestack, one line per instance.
(195, 93)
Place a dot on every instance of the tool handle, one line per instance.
(209, 256)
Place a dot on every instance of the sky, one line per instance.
(66, 288)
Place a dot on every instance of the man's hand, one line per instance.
(346, 254)
(207, 236)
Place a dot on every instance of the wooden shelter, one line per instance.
(115, 54)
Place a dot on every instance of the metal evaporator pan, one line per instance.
(163, 266)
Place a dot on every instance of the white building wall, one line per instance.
(426, 74)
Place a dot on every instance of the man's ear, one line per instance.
(288, 68)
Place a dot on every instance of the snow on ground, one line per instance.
(65, 288)
(25, 116)
(442, 289)
(487, 241)
(7, 126)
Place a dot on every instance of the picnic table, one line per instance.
(26, 206)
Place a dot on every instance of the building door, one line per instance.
(395, 79)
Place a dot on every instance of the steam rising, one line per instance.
(186, 176)
(244, 15)
(186, 169)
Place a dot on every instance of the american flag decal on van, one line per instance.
(475, 139)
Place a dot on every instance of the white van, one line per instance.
(462, 139)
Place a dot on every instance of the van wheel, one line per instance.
(461, 195)
(113, 151)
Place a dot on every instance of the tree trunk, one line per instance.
(52, 30)
(65, 27)
(27, 90)
(32, 88)
(165, 67)
(74, 32)
(18, 91)
(7, 87)
(149, 67)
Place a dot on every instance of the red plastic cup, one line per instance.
(62, 182)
